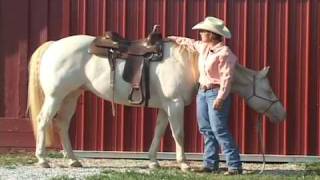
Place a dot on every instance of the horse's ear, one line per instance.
(264, 72)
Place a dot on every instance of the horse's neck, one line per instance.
(242, 82)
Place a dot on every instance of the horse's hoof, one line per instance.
(43, 164)
(185, 167)
(75, 163)
(154, 165)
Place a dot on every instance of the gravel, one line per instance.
(95, 166)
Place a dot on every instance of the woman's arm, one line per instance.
(191, 43)
(226, 69)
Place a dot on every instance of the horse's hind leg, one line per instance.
(175, 113)
(162, 123)
(48, 110)
(62, 122)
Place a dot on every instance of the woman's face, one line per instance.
(206, 36)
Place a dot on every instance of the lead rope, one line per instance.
(260, 139)
(259, 123)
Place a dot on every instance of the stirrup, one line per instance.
(133, 94)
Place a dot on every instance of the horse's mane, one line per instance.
(182, 52)
(186, 57)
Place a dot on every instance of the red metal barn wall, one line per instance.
(282, 34)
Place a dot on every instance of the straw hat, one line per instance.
(214, 25)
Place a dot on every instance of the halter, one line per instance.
(254, 94)
(259, 125)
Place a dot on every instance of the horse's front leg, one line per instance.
(176, 118)
(162, 123)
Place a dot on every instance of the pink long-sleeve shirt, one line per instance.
(216, 64)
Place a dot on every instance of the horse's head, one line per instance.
(263, 99)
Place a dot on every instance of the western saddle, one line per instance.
(137, 55)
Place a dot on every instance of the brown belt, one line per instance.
(209, 86)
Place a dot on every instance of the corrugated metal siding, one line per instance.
(280, 33)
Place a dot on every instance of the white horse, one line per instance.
(60, 70)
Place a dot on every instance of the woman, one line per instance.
(216, 67)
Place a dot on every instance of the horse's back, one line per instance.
(70, 44)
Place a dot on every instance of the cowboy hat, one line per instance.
(214, 25)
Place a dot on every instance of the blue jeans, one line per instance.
(213, 125)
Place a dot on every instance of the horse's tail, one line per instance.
(35, 93)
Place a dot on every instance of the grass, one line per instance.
(173, 174)
(10, 160)
(62, 178)
(312, 168)
(55, 154)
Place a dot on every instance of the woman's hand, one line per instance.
(217, 104)
(172, 38)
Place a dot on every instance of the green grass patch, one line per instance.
(173, 174)
(55, 154)
(62, 178)
(10, 160)
(312, 168)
